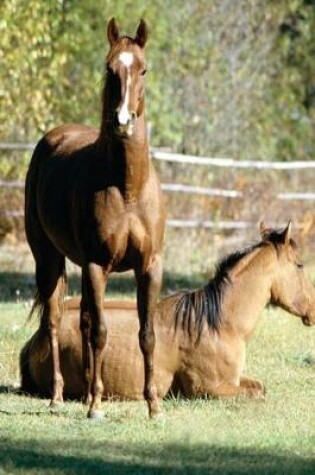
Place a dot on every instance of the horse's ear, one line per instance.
(112, 31)
(287, 233)
(142, 33)
(262, 229)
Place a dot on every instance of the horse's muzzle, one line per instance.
(126, 129)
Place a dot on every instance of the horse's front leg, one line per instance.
(94, 281)
(87, 354)
(148, 288)
(226, 389)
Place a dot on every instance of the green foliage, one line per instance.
(225, 78)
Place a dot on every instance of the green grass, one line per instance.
(193, 437)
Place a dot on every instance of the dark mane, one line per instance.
(194, 309)
(275, 237)
(202, 307)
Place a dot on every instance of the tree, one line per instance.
(224, 78)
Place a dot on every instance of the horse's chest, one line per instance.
(121, 228)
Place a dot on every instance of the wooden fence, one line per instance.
(159, 155)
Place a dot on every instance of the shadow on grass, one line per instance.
(16, 286)
(107, 457)
(9, 389)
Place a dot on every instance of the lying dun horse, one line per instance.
(93, 196)
(200, 335)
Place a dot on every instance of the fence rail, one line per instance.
(17, 146)
(194, 223)
(195, 160)
(179, 188)
(232, 163)
(188, 189)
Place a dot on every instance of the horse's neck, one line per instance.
(126, 161)
(249, 291)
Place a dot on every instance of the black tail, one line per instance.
(37, 307)
(27, 384)
(38, 304)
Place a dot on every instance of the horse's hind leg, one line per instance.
(50, 271)
(148, 288)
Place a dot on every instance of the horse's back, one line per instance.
(73, 304)
(121, 351)
(55, 146)
(70, 138)
(66, 139)
(60, 164)
(122, 368)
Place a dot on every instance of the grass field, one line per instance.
(193, 437)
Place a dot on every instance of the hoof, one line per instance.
(87, 400)
(259, 394)
(158, 416)
(95, 414)
(56, 406)
(155, 412)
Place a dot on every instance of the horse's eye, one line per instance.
(299, 265)
(143, 72)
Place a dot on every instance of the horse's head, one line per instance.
(291, 288)
(126, 67)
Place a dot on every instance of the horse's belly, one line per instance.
(60, 234)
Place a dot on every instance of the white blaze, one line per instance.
(126, 58)
(124, 116)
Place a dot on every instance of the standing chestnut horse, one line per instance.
(93, 196)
